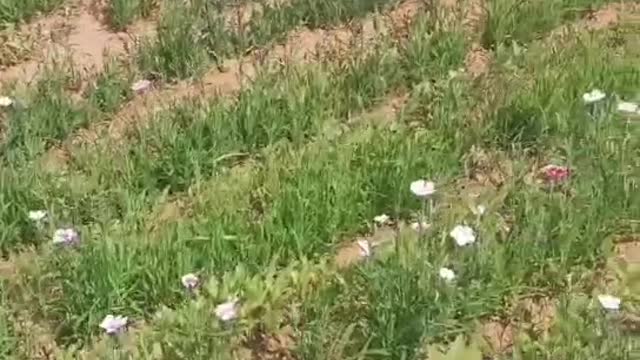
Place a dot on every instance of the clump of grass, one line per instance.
(48, 117)
(15, 11)
(276, 20)
(124, 12)
(191, 36)
(177, 50)
(524, 21)
(8, 341)
(112, 88)
(17, 45)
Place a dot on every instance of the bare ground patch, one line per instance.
(609, 16)
(74, 35)
(478, 59)
(533, 316)
(23, 43)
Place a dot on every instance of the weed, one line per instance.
(15, 11)
(123, 12)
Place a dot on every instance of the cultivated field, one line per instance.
(306, 179)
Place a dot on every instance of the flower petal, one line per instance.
(447, 274)
(609, 302)
(423, 188)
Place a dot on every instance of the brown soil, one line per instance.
(477, 61)
(169, 212)
(350, 253)
(499, 336)
(75, 35)
(629, 251)
(609, 16)
(36, 341)
(19, 45)
(277, 346)
(301, 47)
(475, 15)
(489, 168)
(534, 316)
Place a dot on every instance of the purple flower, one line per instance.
(66, 237)
(114, 324)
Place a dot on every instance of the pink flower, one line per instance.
(67, 236)
(556, 174)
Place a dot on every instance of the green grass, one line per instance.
(522, 21)
(7, 338)
(275, 181)
(184, 148)
(48, 114)
(190, 37)
(16, 11)
(124, 12)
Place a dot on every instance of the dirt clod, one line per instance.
(478, 61)
(275, 346)
(602, 19)
(629, 250)
(499, 336)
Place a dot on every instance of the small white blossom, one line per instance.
(228, 310)
(479, 210)
(365, 248)
(37, 215)
(114, 324)
(381, 219)
(609, 302)
(5, 101)
(593, 96)
(463, 235)
(423, 188)
(190, 281)
(141, 86)
(420, 225)
(447, 274)
(66, 237)
(627, 107)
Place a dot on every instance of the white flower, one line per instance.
(37, 215)
(593, 96)
(463, 235)
(228, 310)
(190, 281)
(365, 248)
(420, 225)
(5, 101)
(113, 324)
(447, 274)
(141, 86)
(381, 219)
(65, 236)
(609, 302)
(627, 107)
(423, 188)
(479, 210)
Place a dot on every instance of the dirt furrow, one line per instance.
(300, 47)
(608, 16)
(75, 35)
